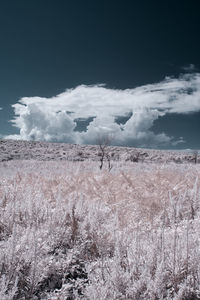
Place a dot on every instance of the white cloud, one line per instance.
(54, 119)
(189, 68)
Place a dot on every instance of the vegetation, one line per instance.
(69, 230)
(104, 152)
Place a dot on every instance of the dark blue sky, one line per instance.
(49, 46)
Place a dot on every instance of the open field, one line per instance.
(15, 150)
(69, 230)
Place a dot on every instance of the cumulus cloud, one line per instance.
(101, 108)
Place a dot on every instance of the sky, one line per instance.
(71, 71)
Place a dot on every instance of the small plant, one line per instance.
(135, 157)
(195, 154)
(80, 153)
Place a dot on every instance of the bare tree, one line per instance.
(103, 142)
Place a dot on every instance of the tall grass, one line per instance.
(71, 231)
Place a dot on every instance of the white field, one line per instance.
(69, 230)
(15, 150)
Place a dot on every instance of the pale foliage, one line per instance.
(71, 231)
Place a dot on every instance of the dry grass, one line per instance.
(71, 231)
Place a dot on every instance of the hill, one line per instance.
(31, 150)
